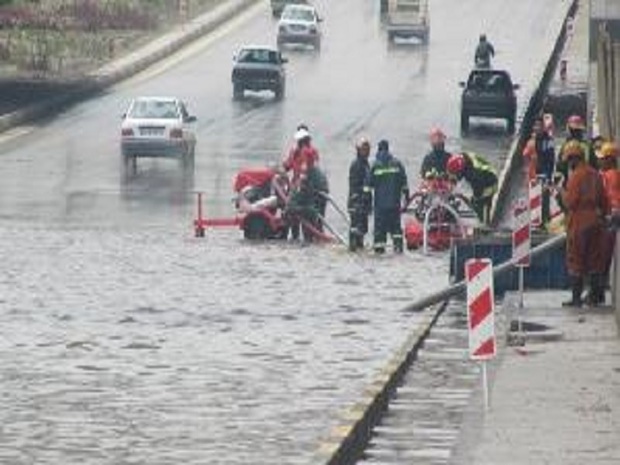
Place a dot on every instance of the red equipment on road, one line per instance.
(261, 195)
(437, 215)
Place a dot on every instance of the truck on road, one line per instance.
(408, 18)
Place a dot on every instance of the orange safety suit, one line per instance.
(586, 204)
(611, 183)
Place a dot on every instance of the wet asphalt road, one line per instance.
(125, 340)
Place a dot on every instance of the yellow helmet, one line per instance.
(608, 150)
(572, 149)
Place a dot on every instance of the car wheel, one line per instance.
(279, 91)
(280, 44)
(188, 159)
(255, 227)
(511, 124)
(464, 121)
(237, 91)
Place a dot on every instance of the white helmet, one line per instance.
(301, 134)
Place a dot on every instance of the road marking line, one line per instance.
(15, 133)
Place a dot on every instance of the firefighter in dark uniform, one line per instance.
(481, 177)
(388, 180)
(359, 203)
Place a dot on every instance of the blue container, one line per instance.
(546, 271)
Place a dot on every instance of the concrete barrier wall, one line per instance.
(514, 159)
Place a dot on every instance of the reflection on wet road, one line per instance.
(125, 340)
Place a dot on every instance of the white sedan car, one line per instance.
(299, 24)
(158, 127)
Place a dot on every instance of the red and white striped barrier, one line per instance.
(535, 195)
(521, 234)
(480, 308)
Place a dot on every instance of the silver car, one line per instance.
(158, 127)
(299, 24)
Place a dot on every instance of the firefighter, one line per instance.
(576, 130)
(301, 159)
(434, 163)
(358, 202)
(388, 180)
(302, 156)
(585, 202)
(608, 165)
(481, 177)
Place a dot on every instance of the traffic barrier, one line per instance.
(535, 195)
(521, 234)
(480, 309)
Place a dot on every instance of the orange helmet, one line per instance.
(437, 136)
(608, 150)
(575, 122)
(572, 149)
(456, 163)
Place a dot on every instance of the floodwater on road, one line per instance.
(125, 340)
(155, 347)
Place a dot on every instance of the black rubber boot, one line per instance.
(577, 289)
(398, 245)
(596, 296)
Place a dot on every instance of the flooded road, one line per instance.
(124, 340)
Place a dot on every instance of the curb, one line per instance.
(534, 104)
(348, 439)
(96, 82)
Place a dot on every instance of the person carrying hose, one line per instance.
(358, 203)
(481, 177)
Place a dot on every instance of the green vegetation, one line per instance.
(66, 38)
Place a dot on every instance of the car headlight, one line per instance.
(282, 28)
(313, 30)
(176, 133)
(127, 132)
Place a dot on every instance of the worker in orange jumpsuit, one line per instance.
(586, 203)
(608, 165)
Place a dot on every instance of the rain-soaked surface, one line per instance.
(126, 340)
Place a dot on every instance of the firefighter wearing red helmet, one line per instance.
(576, 132)
(585, 203)
(434, 163)
(481, 177)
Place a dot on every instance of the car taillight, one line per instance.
(127, 132)
(176, 133)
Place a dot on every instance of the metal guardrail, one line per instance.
(457, 289)
(533, 108)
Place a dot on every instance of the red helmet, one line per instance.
(456, 163)
(575, 122)
(436, 136)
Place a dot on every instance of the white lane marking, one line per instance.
(195, 47)
(15, 133)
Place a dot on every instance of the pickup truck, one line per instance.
(258, 68)
(408, 18)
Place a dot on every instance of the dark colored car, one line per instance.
(258, 68)
(277, 6)
(489, 93)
